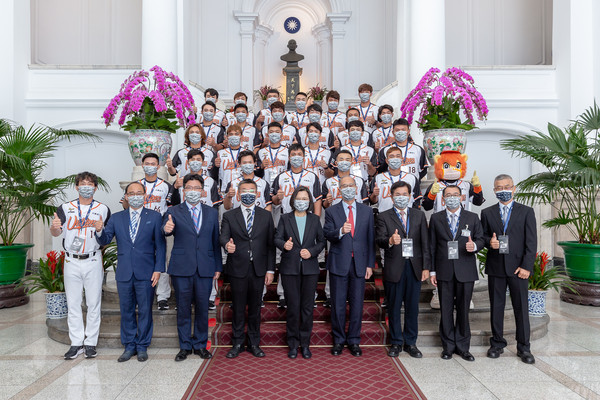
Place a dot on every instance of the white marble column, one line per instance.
(159, 34)
(247, 23)
(427, 44)
(262, 35)
(323, 35)
(337, 22)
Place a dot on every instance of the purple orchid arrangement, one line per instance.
(162, 102)
(317, 92)
(441, 99)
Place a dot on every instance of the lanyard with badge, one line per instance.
(79, 240)
(384, 136)
(404, 167)
(235, 173)
(313, 160)
(453, 244)
(503, 239)
(300, 121)
(356, 168)
(148, 199)
(273, 169)
(330, 121)
(294, 184)
(407, 243)
(366, 113)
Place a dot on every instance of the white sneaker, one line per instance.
(471, 306)
(435, 300)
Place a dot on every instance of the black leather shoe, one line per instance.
(142, 356)
(355, 350)
(182, 355)
(203, 353)
(526, 357)
(337, 349)
(235, 351)
(293, 353)
(256, 351)
(494, 352)
(306, 352)
(127, 354)
(466, 355)
(412, 351)
(446, 355)
(394, 350)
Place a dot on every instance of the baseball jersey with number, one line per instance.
(263, 195)
(289, 181)
(360, 168)
(79, 225)
(332, 185)
(413, 159)
(385, 180)
(278, 159)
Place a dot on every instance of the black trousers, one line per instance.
(518, 294)
(352, 288)
(407, 290)
(455, 335)
(299, 293)
(246, 292)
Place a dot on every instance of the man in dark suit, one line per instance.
(349, 228)
(247, 235)
(195, 262)
(511, 236)
(402, 233)
(141, 259)
(455, 236)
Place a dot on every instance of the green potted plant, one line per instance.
(439, 99)
(544, 277)
(25, 195)
(151, 109)
(570, 184)
(317, 93)
(50, 278)
(261, 94)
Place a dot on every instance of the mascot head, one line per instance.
(450, 165)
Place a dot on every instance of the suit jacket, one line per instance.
(465, 268)
(194, 252)
(387, 223)
(260, 242)
(522, 239)
(146, 254)
(341, 249)
(313, 241)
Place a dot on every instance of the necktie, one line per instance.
(249, 220)
(403, 217)
(196, 218)
(453, 227)
(503, 214)
(351, 218)
(133, 225)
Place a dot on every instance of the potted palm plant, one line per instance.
(25, 195)
(439, 99)
(544, 278)
(151, 108)
(570, 184)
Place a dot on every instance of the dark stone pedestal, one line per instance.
(11, 296)
(587, 294)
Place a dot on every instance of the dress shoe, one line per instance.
(465, 355)
(355, 350)
(293, 353)
(235, 351)
(337, 349)
(203, 353)
(127, 354)
(305, 352)
(446, 355)
(412, 351)
(256, 351)
(182, 355)
(142, 356)
(494, 352)
(526, 357)
(394, 350)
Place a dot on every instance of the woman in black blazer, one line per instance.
(300, 238)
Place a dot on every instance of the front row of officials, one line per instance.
(444, 251)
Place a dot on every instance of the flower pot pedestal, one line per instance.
(12, 296)
(587, 294)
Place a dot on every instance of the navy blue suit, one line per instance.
(347, 262)
(194, 260)
(137, 261)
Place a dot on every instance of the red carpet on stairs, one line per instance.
(372, 376)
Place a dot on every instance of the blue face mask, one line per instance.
(394, 163)
(313, 137)
(195, 165)
(195, 138)
(296, 161)
(193, 197)
(504, 195)
(348, 193)
(386, 118)
(314, 117)
(150, 170)
(234, 140)
(300, 104)
(364, 96)
(275, 137)
(208, 115)
(247, 169)
(333, 105)
(271, 100)
(248, 198)
(452, 202)
(301, 205)
(135, 201)
(355, 135)
(401, 202)
(344, 166)
(277, 116)
(401, 136)
(240, 117)
(86, 191)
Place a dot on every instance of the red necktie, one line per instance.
(351, 218)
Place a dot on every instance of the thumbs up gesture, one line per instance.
(99, 224)
(56, 224)
(280, 194)
(435, 188)
(178, 181)
(470, 245)
(169, 162)
(475, 180)
(170, 225)
(289, 244)
(395, 239)
(230, 246)
(346, 228)
(376, 190)
(218, 162)
(494, 242)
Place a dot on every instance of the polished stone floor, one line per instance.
(567, 365)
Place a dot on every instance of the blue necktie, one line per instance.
(196, 217)
(133, 225)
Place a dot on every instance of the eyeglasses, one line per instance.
(193, 188)
(507, 187)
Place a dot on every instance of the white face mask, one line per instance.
(314, 117)
(195, 165)
(195, 138)
(386, 118)
(240, 101)
(271, 100)
(364, 96)
(333, 105)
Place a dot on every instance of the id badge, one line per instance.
(407, 248)
(453, 250)
(234, 175)
(466, 232)
(356, 170)
(503, 239)
(272, 176)
(77, 244)
(405, 169)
